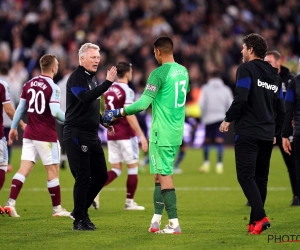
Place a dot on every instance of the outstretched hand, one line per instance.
(111, 74)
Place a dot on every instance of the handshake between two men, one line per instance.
(109, 116)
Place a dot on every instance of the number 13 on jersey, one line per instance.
(180, 90)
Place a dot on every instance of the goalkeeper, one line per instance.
(166, 90)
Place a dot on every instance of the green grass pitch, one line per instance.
(211, 210)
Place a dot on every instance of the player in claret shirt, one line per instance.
(40, 97)
(5, 104)
(123, 146)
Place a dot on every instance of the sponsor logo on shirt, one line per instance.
(131, 94)
(151, 87)
(57, 95)
(267, 85)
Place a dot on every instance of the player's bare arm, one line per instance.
(142, 104)
(133, 122)
(22, 125)
(10, 111)
(16, 119)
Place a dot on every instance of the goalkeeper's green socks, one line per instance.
(169, 197)
(162, 198)
(158, 203)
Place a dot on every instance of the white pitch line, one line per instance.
(209, 189)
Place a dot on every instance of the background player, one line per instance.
(179, 158)
(292, 129)
(41, 98)
(214, 101)
(274, 58)
(14, 98)
(123, 146)
(5, 104)
(166, 89)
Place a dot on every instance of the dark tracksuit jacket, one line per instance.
(292, 102)
(82, 103)
(83, 147)
(258, 106)
(258, 113)
(286, 77)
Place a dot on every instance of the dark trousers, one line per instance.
(88, 166)
(289, 161)
(296, 150)
(252, 157)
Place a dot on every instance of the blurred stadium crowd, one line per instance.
(207, 34)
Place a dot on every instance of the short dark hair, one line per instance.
(257, 43)
(165, 44)
(123, 68)
(4, 69)
(274, 53)
(215, 73)
(46, 62)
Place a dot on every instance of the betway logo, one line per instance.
(267, 85)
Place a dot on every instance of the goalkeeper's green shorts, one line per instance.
(161, 158)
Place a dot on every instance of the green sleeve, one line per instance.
(154, 83)
(140, 105)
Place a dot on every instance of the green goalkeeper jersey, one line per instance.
(168, 86)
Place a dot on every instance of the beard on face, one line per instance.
(245, 58)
